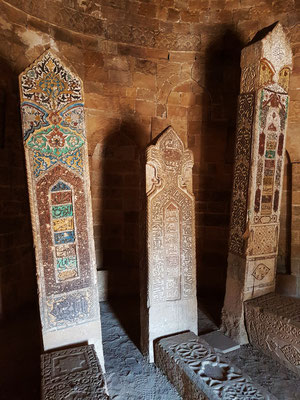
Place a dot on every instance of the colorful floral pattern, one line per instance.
(52, 115)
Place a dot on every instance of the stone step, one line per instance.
(273, 325)
(199, 372)
(72, 373)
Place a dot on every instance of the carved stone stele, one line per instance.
(52, 109)
(259, 159)
(171, 304)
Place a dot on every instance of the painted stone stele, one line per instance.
(52, 109)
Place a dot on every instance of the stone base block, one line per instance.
(90, 333)
(199, 372)
(170, 318)
(273, 325)
(220, 342)
(72, 374)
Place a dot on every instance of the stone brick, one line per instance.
(161, 110)
(145, 107)
(145, 66)
(96, 101)
(174, 98)
(187, 16)
(120, 77)
(117, 63)
(145, 94)
(94, 73)
(149, 10)
(176, 111)
(144, 81)
(93, 58)
(173, 15)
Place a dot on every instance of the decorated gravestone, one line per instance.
(55, 144)
(258, 174)
(170, 267)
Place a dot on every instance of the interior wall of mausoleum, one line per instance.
(145, 65)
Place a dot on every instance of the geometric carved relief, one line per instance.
(260, 272)
(241, 173)
(248, 78)
(171, 263)
(206, 374)
(72, 373)
(273, 325)
(291, 354)
(58, 180)
(262, 240)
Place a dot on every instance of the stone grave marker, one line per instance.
(52, 108)
(170, 267)
(258, 174)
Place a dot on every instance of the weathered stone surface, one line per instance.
(171, 304)
(199, 372)
(72, 374)
(273, 324)
(58, 180)
(258, 174)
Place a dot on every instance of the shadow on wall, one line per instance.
(213, 174)
(19, 321)
(284, 247)
(121, 216)
(17, 266)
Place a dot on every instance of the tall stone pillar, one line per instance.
(55, 144)
(171, 303)
(258, 174)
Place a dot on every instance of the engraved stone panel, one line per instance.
(171, 301)
(258, 174)
(199, 372)
(53, 125)
(273, 324)
(72, 373)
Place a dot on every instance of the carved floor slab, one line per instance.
(199, 372)
(72, 374)
(273, 324)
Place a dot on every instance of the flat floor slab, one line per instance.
(219, 341)
(199, 372)
(72, 374)
(273, 325)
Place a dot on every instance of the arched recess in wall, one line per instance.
(284, 247)
(117, 215)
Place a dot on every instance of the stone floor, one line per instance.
(129, 376)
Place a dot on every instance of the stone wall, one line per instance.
(145, 65)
